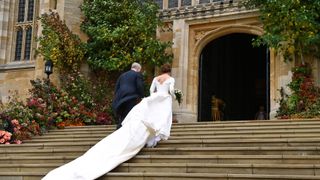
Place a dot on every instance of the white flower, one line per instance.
(178, 95)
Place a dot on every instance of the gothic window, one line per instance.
(30, 10)
(21, 11)
(27, 51)
(173, 3)
(185, 2)
(160, 3)
(24, 30)
(18, 44)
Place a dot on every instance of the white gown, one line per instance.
(147, 123)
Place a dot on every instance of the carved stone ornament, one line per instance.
(199, 35)
(167, 27)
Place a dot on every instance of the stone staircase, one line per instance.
(229, 150)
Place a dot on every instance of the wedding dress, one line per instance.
(147, 123)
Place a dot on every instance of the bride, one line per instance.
(147, 123)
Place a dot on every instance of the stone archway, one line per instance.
(201, 39)
(234, 71)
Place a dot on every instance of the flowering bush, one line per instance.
(55, 107)
(178, 95)
(17, 119)
(5, 137)
(49, 107)
(9, 134)
(93, 94)
(304, 100)
(75, 84)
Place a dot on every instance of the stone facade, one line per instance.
(190, 28)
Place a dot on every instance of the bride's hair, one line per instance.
(166, 68)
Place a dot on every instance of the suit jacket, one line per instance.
(129, 86)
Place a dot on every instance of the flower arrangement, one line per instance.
(178, 95)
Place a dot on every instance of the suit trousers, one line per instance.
(124, 109)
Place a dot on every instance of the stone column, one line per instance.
(4, 29)
(185, 112)
(280, 77)
(165, 4)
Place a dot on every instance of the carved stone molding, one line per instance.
(167, 27)
(200, 11)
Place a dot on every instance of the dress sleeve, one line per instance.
(153, 86)
(171, 87)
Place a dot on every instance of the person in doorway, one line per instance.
(217, 108)
(128, 92)
(147, 123)
(261, 114)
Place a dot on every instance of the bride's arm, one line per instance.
(171, 87)
(153, 86)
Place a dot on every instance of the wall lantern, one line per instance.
(48, 68)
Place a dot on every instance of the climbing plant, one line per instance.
(59, 44)
(291, 26)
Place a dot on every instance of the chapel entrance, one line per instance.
(237, 73)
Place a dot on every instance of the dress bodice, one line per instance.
(166, 87)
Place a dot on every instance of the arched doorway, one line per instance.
(236, 72)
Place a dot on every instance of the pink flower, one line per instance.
(18, 141)
(2, 133)
(7, 136)
(2, 141)
(32, 102)
(15, 122)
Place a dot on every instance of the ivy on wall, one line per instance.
(59, 44)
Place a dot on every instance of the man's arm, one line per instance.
(139, 84)
(117, 86)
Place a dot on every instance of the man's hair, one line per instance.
(136, 66)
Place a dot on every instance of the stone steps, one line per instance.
(192, 143)
(275, 150)
(197, 128)
(225, 159)
(237, 150)
(205, 132)
(96, 137)
(166, 176)
(280, 169)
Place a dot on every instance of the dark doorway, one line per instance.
(236, 72)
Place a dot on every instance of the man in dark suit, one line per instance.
(128, 92)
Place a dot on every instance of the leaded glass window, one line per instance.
(204, 1)
(185, 2)
(30, 10)
(27, 51)
(24, 29)
(173, 3)
(18, 44)
(21, 10)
